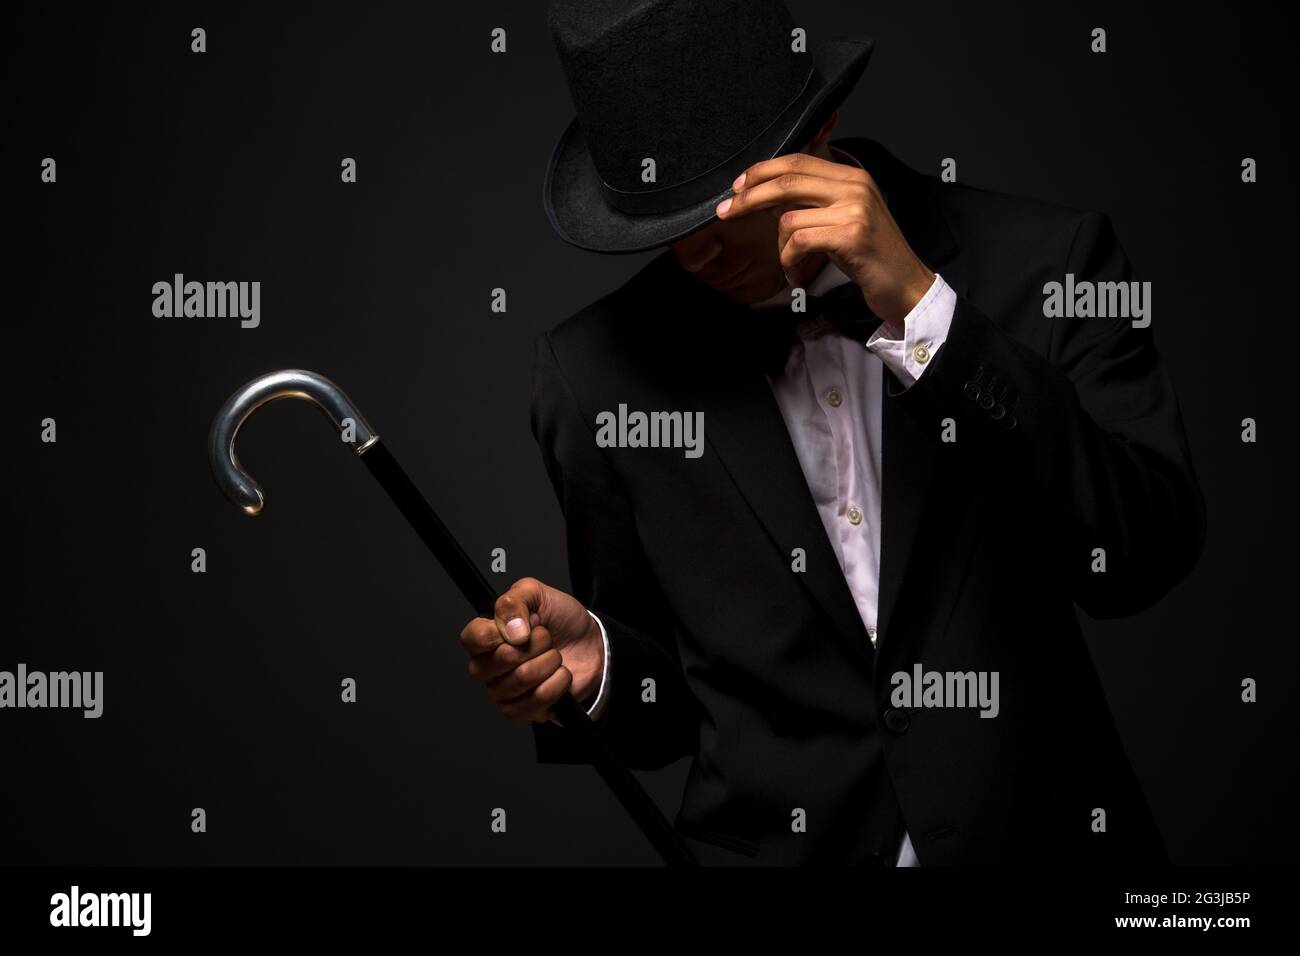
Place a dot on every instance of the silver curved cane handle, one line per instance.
(236, 483)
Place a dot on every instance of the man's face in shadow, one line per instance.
(739, 257)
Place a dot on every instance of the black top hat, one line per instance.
(704, 88)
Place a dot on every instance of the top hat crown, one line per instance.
(702, 88)
(636, 80)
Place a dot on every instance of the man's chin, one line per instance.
(752, 289)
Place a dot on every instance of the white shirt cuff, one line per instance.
(597, 707)
(907, 352)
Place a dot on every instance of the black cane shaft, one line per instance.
(480, 594)
(482, 597)
(644, 811)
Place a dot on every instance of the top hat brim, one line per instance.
(574, 196)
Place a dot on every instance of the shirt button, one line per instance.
(921, 354)
(871, 633)
(854, 514)
(834, 398)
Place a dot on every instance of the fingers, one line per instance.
(805, 242)
(480, 636)
(795, 179)
(793, 220)
(512, 653)
(536, 704)
(504, 657)
(804, 163)
(791, 189)
(515, 608)
(523, 677)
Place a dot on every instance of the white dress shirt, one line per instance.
(829, 396)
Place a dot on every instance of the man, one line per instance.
(855, 609)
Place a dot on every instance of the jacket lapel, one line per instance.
(908, 455)
(745, 429)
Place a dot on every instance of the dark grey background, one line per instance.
(222, 689)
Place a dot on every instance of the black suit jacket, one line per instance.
(765, 676)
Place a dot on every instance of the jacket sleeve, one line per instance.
(610, 574)
(1091, 432)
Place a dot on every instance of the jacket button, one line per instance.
(971, 391)
(997, 411)
(1009, 422)
(896, 721)
(986, 401)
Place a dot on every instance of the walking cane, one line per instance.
(244, 492)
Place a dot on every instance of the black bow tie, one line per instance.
(843, 306)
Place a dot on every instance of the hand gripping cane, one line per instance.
(245, 493)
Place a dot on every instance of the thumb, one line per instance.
(514, 609)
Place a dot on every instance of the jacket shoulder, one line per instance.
(615, 322)
(1004, 225)
(988, 215)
